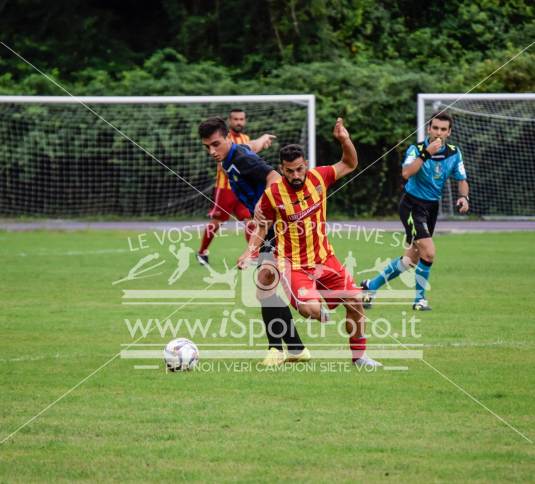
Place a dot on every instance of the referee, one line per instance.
(426, 167)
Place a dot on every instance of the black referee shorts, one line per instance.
(418, 216)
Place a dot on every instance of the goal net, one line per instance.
(65, 156)
(495, 133)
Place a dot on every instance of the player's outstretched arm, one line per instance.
(261, 143)
(349, 160)
(255, 242)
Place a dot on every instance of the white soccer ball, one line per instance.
(180, 354)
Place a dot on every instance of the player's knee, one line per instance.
(266, 283)
(265, 277)
(409, 261)
(268, 276)
(428, 255)
(310, 309)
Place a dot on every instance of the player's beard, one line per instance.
(237, 129)
(297, 184)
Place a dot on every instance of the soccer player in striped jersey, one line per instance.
(226, 204)
(296, 206)
(249, 175)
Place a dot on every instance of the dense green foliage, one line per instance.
(362, 59)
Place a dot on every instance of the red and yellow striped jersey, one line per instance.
(221, 180)
(299, 218)
(238, 138)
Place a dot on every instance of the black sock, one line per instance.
(291, 336)
(272, 323)
(280, 325)
(426, 262)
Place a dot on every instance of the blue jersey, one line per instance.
(429, 181)
(247, 173)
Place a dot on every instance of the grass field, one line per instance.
(62, 319)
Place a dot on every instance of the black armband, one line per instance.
(425, 155)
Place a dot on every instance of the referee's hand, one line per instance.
(462, 205)
(434, 146)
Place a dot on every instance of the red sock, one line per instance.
(249, 229)
(209, 234)
(358, 347)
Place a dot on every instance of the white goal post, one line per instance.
(495, 133)
(96, 155)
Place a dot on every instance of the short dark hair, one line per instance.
(291, 153)
(211, 125)
(237, 110)
(443, 116)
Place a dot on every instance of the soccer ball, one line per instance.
(180, 354)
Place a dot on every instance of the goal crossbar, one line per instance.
(436, 96)
(304, 99)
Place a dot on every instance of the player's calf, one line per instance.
(355, 327)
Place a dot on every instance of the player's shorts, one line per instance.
(329, 281)
(227, 204)
(418, 216)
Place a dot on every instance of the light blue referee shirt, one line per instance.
(428, 183)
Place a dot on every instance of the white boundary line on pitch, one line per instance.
(328, 345)
(170, 303)
(416, 130)
(124, 135)
(71, 253)
(318, 354)
(368, 228)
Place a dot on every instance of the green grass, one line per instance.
(61, 319)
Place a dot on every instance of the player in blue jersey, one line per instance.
(249, 175)
(426, 167)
